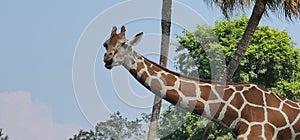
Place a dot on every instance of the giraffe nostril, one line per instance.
(110, 53)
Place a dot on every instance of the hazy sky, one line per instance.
(40, 41)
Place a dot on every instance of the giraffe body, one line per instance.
(250, 111)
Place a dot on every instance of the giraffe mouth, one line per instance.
(108, 66)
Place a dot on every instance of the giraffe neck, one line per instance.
(195, 95)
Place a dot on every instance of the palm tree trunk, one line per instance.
(165, 41)
(257, 13)
(258, 10)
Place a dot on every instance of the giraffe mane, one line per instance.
(194, 78)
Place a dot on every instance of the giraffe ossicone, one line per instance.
(250, 111)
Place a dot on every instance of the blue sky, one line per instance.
(37, 48)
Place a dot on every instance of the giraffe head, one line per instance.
(118, 48)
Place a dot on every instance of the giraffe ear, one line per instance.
(135, 40)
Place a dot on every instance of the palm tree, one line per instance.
(165, 41)
(290, 8)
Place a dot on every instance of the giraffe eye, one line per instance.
(105, 45)
(122, 44)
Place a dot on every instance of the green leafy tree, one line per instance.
(289, 88)
(119, 127)
(116, 128)
(290, 8)
(270, 61)
(191, 126)
(2, 136)
(270, 58)
(89, 135)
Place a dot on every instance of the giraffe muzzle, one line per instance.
(108, 64)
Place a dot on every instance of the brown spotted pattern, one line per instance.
(251, 112)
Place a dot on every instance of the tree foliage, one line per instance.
(270, 58)
(289, 88)
(116, 128)
(191, 126)
(287, 8)
(88, 135)
(2, 136)
(119, 127)
(271, 61)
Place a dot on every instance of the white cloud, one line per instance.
(23, 119)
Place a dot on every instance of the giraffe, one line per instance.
(248, 110)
